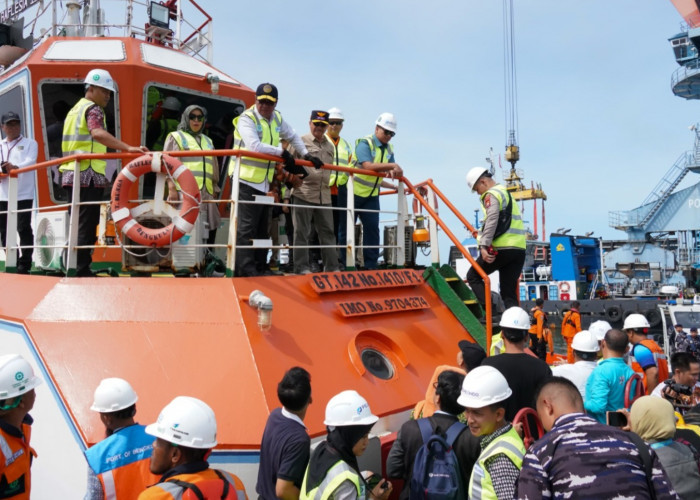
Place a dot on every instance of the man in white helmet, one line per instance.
(112, 473)
(85, 131)
(501, 238)
(646, 357)
(522, 371)
(585, 346)
(185, 435)
(374, 153)
(343, 158)
(485, 393)
(17, 383)
(599, 329)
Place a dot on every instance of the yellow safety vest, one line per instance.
(368, 185)
(510, 445)
(343, 156)
(253, 169)
(77, 139)
(201, 166)
(336, 475)
(514, 237)
(167, 125)
(497, 345)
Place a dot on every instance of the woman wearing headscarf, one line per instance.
(190, 136)
(655, 422)
(333, 472)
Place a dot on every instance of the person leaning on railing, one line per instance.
(84, 132)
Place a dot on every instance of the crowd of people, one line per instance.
(468, 439)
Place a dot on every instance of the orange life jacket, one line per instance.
(208, 484)
(539, 318)
(659, 358)
(15, 462)
(571, 324)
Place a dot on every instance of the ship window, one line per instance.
(163, 107)
(377, 364)
(13, 100)
(56, 99)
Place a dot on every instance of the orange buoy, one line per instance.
(181, 224)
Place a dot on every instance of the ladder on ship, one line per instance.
(665, 187)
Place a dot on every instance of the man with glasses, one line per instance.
(259, 129)
(374, 153)
(342, 158)
(315, 193)
(16, 152)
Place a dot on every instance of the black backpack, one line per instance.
(436, 474)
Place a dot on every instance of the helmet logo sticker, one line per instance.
(19, 376)
(96, 77)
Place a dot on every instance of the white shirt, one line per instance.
(578, 373)
(249, 135)
(21, 152)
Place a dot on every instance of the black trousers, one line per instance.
(509, 264)
(24, 229)
(253, 223)
(88, 220)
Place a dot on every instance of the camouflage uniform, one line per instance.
(682, 342)
(581, 458)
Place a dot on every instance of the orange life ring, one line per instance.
(180, 225)
(564, 287)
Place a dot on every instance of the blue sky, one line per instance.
(598, 124)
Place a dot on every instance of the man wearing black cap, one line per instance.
(315, 192)
(259, 129)
(16, 152)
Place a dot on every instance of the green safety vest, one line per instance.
(201, 166)
(343, 153)
(77, 139)
(368, 185)
(167, 125)
(253, 169)
(510, 445)
(339, 472)
(514, 237)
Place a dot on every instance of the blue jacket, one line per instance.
(605, 389)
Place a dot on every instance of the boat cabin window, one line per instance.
(164, 106)
(13, 100)
(56, 100)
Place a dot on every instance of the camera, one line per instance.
(3, 167)
(678, 388)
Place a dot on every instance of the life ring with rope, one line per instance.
(564, 287)
(180, 225)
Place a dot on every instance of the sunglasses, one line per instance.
(320, 124)
(197, 118)
(388, 132)
(337, 124)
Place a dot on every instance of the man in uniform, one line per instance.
(501, 238)
(85, 131)
(312, 201)
(570, 326)
(260, 129)
(118, 466)
(374, 153)
(342, 158)
(646, 356)
(538, 323)
(17, 383)
(185, 434)
(17, 151)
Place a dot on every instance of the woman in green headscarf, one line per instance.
(190, 136)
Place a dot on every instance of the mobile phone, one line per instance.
(373, 481)
(616, 418)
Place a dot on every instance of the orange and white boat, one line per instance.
(380, 332)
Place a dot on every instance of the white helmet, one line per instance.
(186, 421)
(635, 321)
(599, 329)
(474, 175)
(483, 386)
(16, 376)
(387, 121)
(171, 103)
(348, 408)
(100, 78)
(113, 394)
(335, 114)
(585, 341)
(515, 317)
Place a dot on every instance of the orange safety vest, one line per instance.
(659, 357)
(571, 324)
(539, 318)
(211, 483)
(15, 462)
